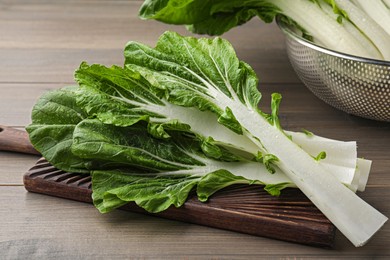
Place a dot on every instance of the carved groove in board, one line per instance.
(254, 200)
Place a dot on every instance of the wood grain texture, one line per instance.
(12, 167)
(19, 100)
(35, 226)
(42, 42)
(62, 34)
(15, 140)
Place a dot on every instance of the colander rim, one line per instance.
(286, 30)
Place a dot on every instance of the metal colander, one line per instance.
(355, 85)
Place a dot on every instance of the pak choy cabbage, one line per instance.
(357, 27)
(184, 116)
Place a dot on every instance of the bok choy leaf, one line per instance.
(355, 27)
(206, 74)
(113, 95)
(163, 172)
(184, 116)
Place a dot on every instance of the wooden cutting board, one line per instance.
(241, 208)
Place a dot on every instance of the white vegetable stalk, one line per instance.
(378, 11)
(203, 123)
(363, 167)
(355, 32)
(252, 171)
(368, 26)
(340, 160)
(341, 156)
(355, 218)
(331, 34)
(387, 3)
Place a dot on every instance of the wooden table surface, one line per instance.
(42, 42)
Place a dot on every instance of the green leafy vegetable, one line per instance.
(129, 164)
(158, 170)
(118, 99)
(175, 119)
(154, 193)
(54, 116)
(113, 96)
(206, 74)
(357, 27)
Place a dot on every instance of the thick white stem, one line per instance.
(355, 218)
(340, 156)
(340, 160)
(203, 123)
(355, 32)
(387, 3)
(322, 27)
(363, 166)
(378, 11)
(368, 26)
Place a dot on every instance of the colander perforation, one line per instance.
(352, 84)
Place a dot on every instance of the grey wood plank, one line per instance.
(61, 35)
(17, 101)
(42, 42)
(13, 166)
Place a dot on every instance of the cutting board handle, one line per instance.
(15, 140)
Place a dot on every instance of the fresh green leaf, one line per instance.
(132, 147)
(307, 133)
(154, 193)
(204, 70)
(54, 117)
(354, 27)
(139, 153)
(207, 70)
(275, 103)
(320, 156)
(275, 189)
(208, 17)
(114, 96)
(218, 180)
